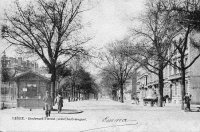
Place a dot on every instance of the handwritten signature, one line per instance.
(123, 122)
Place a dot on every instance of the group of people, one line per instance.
(48, 103)
(187, 100)
(59, 101)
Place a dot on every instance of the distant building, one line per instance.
(17, 65)
(43, 70)
(130, 88)
(13, 66)
(142, 78)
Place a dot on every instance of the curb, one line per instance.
(69, 111)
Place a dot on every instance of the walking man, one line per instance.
(187, 99)
(47, 103)
(59, 102)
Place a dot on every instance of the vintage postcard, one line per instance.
(99, 66)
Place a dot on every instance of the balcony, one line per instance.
(152, 82)
(177, 76)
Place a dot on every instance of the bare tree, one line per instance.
(109, 84)
(49, 29)
(187, 18)
(117, 65)
(75, 77)
(154, 40)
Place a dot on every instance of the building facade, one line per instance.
(172, 78)
(10, 67)
(130, 89)
(17, 65)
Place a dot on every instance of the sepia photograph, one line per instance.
(99, 65)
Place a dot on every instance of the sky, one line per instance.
(110, 20)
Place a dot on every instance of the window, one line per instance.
(186, 86)
(31, 90)
(175, 68)
(170, 70)
(165, 72)
(176, 90)
(4, 90)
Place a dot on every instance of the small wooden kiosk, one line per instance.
(31, 87)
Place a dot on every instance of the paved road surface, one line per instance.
(102, 115)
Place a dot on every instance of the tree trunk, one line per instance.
(121, 93)
(75, 93)
(79, 93)
(72, 96)
(182, 87)
(88, 96)
(160, 87)
(53, 83)
(170, 93)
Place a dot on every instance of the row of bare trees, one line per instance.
(52, 30)
(116, 69)
(166, 28)
(76, 82)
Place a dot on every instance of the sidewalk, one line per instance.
(194, 107)
(104, 115)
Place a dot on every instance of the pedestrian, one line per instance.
(187, 99)
(167, 98)
(59, 102)
(137, 100)
(97, 97)
(47, 104)
(69, 99)
(164, 100)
